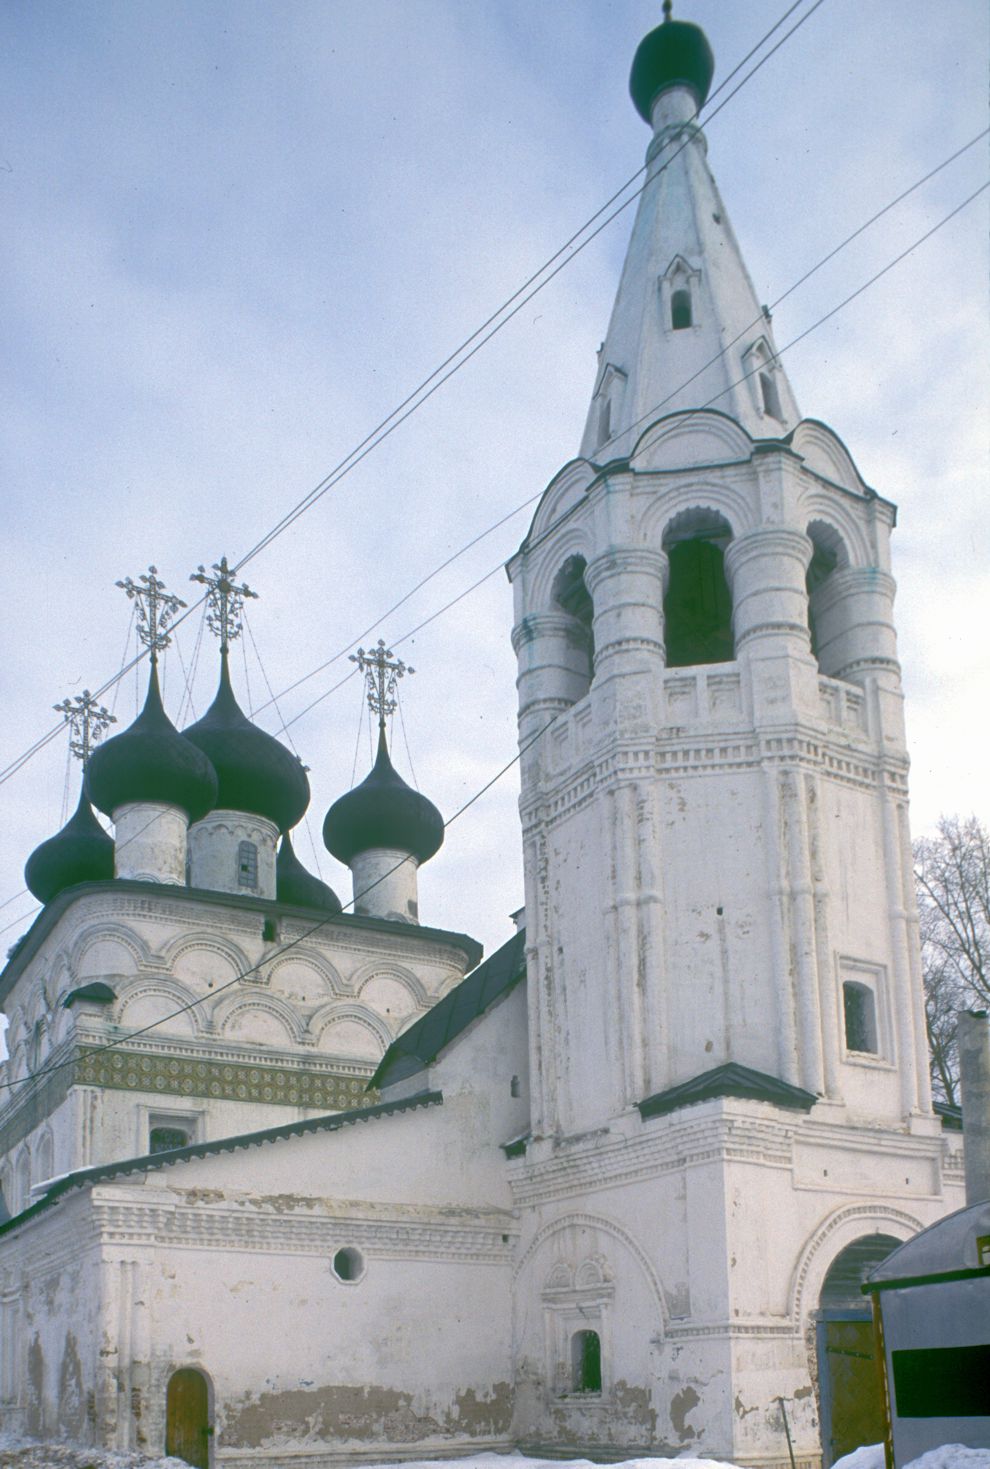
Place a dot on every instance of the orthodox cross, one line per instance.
(668, 6)
(87, 721)
(382, 671)
(155, 609)
(225, 601)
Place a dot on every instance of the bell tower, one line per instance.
(721, 948)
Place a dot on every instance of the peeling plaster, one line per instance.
(340, 1411)
(681, 1405)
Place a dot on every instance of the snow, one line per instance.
(949, 1456)
(22, 1453)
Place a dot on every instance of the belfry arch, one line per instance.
(828, 555)
(571, 596)
(697, 605)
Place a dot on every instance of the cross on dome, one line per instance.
(87, 721)
(155, 609)
(382, 671)
(225, 601)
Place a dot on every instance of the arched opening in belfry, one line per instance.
(828, 554)
(849, 1378)
(570, 593)
(697, 607)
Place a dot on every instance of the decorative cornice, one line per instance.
(186, 1076)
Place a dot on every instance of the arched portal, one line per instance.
(187, 1417)
(848, 1370)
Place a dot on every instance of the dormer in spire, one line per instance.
(687, 328)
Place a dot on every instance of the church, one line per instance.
(291, 1185)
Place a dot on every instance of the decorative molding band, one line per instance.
(185, 1077)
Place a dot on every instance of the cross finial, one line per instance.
(668, 6)
(225, 601)
(382, 671)
(155, 609)
(87, 721)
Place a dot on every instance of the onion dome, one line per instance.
(293, 884)
(383, 812)
(256, 773)
(151, 761)
(676, 54)
(81, 852)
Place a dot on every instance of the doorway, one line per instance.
(848, 1370)
(187, 1417)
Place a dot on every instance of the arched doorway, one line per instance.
(848, 1371)
(187, 1417)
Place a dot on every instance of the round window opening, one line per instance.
(348, 1264)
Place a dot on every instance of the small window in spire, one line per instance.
(680, 309)
(605, 421)
(771, 399)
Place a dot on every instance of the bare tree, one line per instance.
(952, 873)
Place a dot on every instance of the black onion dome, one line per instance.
(675, 54)
(151, 761)
(383, 812)
(256, 773)
(293, 884)
(80, 852)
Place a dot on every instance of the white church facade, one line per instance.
(612, 1190)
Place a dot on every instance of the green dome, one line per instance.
(676, 54)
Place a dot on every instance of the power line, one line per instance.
(480, 337)
(284, 948)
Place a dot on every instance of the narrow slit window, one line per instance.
(771, 398)
(247, 865)
(605, 421)
(586, 1362)
(860, 1013)
(680, 309)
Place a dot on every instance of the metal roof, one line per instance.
(423, 1041)
(730, 1080)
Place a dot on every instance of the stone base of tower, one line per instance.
(697, 1255)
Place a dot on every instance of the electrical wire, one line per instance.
(376, 437)
(283, 949)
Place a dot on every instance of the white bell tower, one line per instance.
(724, 974)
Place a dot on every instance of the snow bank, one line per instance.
(949, 1456)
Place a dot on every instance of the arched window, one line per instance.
(828, 554)
(571, 595)
(680, 309)
(860, 1012)
(697, 607)
(586, 1362)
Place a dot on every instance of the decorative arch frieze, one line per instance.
(567, 488)
(731, 503)
(230, 1010)
(323, 971)
(824, 452)
(207, 942)
(359, 1014)
(830, 1237)
(160, 986)
(613, 1231)
(377, 970)
(104, 931)
(691, 438)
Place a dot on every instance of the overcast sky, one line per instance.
(237, 234)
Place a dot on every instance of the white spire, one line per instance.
(687, 329)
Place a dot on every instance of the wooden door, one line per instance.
(187, 1418)
(851, 1392)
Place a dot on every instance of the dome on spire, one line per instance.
(676, 54)
(81, 852)
(151, 761)
(297, 886)
(256, 773)
(383, 812)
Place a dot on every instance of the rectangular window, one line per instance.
(942, 1382)
(247, 865)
